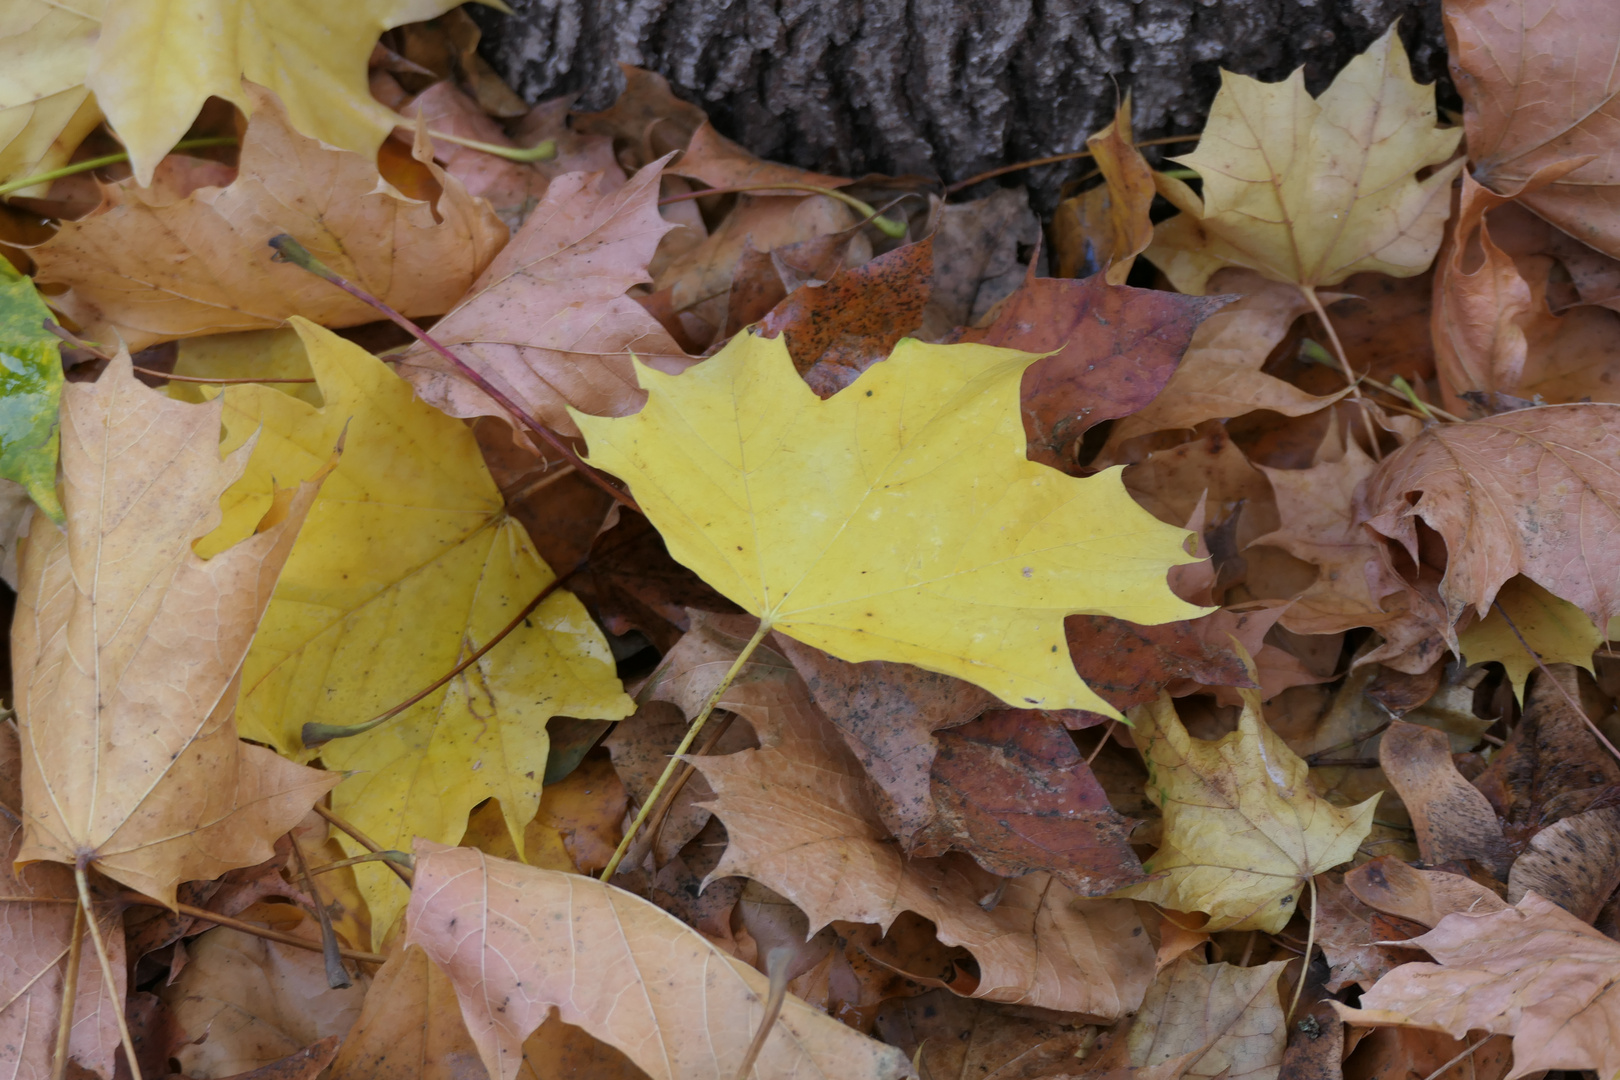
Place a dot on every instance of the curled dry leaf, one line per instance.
(1533, 971)
(1243, 828)
(1230, 1017)
(1535, 491)
(1309, 191)
(142, 272)
(127, 648)
(823, 542)
(1107, 227)
(548, 322)
(1112, 350)
(518, 942)
(1220, 376)
(1451, 818)
(1537, 90)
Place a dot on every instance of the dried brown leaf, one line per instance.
(1231, 1014)
(1575, 863)
(1451, 818)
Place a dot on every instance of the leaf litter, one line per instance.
(1025, 659)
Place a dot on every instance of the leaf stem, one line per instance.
(1305, 964)
(407, 874)
(776, 964)
(70, 995)
(543, 151)
(1309, 292)
(390, 855)
(113, 996)
(1469, 1049)
(894, 230)
(337, 976)
(685, 744)
(106, 159)
(290, 250)
(655, 824)
(249, 928)
(314, 735)
(1548, 675)
(952, 189)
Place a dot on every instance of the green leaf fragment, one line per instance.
(30, 390)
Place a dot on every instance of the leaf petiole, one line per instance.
(685, 745)
(894, 230)
(106, 159)
(70, 995)
(543, 151)
(83, 881)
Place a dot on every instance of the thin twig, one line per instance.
(952, 189)
(371, 856)
(83, 881)
(70, 995)
(337, 976)
(1310, 942)
(1441, 1071)
(776, 964)
(1350, 377)
(1102, 742)
(656, 823)
(404, 873)
(1311, 759)
(171, 377)
(290, 250)
(265, 932)
(77, 342)
(320, 734)
(685, 744)
(1497, 604)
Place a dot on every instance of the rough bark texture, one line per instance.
(940, 87)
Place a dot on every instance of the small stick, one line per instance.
(1310, 943)
(171, 377)
(83, 880)
(265, 932)
(337, 976)
(319, 734)
(70, 995)
(1350, 377)
(290, 250)
(1102, 742)
(686, 743)
(1571, 702)
(405, 874)
(390, 855)
(1441, 1071)
(952, 189)
(776, 963)
(658, 819)
(1311, 759)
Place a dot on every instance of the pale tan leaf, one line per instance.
(127, 649)
(518, 942)
(1451, 818)
(1232, 1014)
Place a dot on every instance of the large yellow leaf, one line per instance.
(408, 564)
(152, 63)
(1243, 829)
(1309, 191)
(898, 519)
(127, 649)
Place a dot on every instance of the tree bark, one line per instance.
(945, 88)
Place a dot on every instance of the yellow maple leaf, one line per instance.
(1558, 631)
(1309, 191)
(408, 564)
(1243, 829)
(898, 519)
(152, 65)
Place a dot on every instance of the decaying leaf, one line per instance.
(548, 323)
(127, 648)
(410, 523)
(1309, 191)
(1533, 971)
(1107, 227)
(518, 942)
(926, 449)
(1537, 90)
(801, 819)
(1243, 828)
(1421, 896)
(1535, 491)
(144, 270)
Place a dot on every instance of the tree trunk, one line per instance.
(941, 87)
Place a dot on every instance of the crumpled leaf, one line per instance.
(1533, 971)
(518, 942)
(1535, 491)
(143, 270)
(801, 820)
(1220, 376)
(127, 648)
(1112, 350)
(1243, 828)
(1309, 191)
(34, 942)
(1106, 228)
(870, 525)
(246, 1001)
(1557, 631)
(1232, 1014)
(1012, 790)
(30, 388)
(547, 323)
(1537, 91)
(410, 524)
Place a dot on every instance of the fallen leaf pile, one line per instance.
(587, 601)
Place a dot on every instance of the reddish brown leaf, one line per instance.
(646, 116)
(1115, 349)
(1127, 664)
(1011, 790)
(719, 162)
(838, 330)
